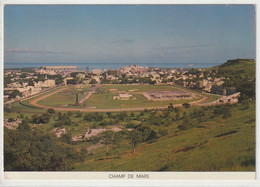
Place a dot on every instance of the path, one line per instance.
(88, 95)
(34, 95)
(34, 101)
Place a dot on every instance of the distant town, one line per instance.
(19, 84)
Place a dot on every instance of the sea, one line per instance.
(83, 66)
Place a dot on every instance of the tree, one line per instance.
(147, 132)
(93, 81)
(122, 115)
(185, 123)
(74, 74)
(69, 113)
(63, 119)
(135, 138)
(79, 114)
(59, 115)
(106, 138)
(11, 120)
(30, 82)
(170, 107)
(66, 138)
(58, 81)
(51, 111)
(109, 114)
(72, 81)
(186, 105)
(34, 149)
(88, 118)
(15, 93)
(23, 75)
(44, 118)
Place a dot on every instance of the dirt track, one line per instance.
(34, 102)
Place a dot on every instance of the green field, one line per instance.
(25, 106)
(103, 99)
(106, 101)
(64, 98)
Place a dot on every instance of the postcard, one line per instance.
(133, 94)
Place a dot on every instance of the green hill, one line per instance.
(245, 67)
(217, 144)
(240, 76)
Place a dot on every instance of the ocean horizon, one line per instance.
(82, 66)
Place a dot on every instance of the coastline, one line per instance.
(106, 66)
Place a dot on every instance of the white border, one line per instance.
(185, 181)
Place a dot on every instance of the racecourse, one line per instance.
(34, 102)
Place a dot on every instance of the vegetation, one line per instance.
(240, 75)
(187, 139)
(28, 149)
(14, 94)
(210, 138)
(208, 142)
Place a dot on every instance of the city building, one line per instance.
(96, 71)
(113, 72)
(124, 96)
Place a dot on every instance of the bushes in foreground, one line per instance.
(29, 149)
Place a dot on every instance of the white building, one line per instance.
(80, 76)
(96, 71)
(124, 96)
(47, 83)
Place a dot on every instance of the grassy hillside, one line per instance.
(240, 76)
(217, 144)
(245, 66)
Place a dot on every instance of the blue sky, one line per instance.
(129, 33)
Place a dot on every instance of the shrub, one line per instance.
(51, 111)
(11, 120)
(186, 105)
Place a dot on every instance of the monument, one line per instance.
(77, 99)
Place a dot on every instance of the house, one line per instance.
(123, 96)
(96, 71)
(46, 83)
(113, 72)
(80, 76)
